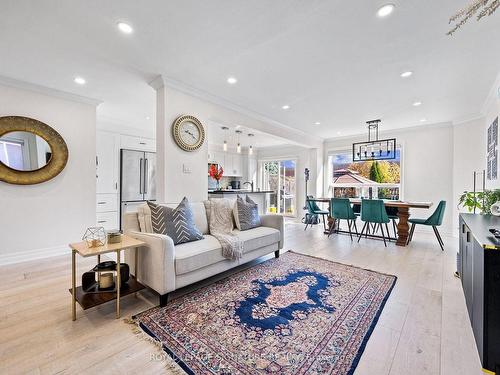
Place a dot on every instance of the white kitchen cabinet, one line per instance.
(237, 166)
(108, 220)
(129, 142)
(107, 162)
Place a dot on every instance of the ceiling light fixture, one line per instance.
(125, 28)
(482, 8)
(417, 104)
(286, 106)
(406, 74)
(317, 123)
(224, 128)
(423, 120)
(80, 80)
(377, 149)
(250, 148)
(385, 10)
(238, 147)
(148, 118)
(232, 80)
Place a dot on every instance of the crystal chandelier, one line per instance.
(480, 7)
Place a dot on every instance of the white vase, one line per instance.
(495, 209)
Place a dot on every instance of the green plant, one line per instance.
(469, 200)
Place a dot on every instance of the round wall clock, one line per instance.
(188, 133)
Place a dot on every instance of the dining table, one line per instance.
(403, 214)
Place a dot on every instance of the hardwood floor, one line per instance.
(424, 328)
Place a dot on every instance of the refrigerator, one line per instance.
(137, 180)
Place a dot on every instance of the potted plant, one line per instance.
(482, 200)
(216, 174)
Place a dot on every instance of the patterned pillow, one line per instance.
(246, 214)
(177, 223)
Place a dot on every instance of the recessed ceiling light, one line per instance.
(317, 123)
(406, 74)
(125, 28)
(385, 10)
(80, 80)
(286, 106)
(232, 80)
(423, 120)
(339, 133)
(416, 104)
(148, 118)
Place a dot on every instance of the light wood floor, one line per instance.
(424, 328)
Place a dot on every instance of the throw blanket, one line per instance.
(221, 227)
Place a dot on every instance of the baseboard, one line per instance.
(25, 256)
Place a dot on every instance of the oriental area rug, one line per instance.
(293, 315)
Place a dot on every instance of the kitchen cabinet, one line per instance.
(129, 142)
(480, 276)
(107, 158)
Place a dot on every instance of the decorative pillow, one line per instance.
(177, 223)
(246, 214)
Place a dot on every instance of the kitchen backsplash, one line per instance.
(224, 182)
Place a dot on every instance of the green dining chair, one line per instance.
(314, 210)
(373, 212)
(340, 209)
(435, 220)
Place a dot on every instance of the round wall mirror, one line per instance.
(31, 152)
(24, 151)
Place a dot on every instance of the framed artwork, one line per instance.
(492, 151)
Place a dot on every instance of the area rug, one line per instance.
(293, 315)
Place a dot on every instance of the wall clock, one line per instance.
(188, 133)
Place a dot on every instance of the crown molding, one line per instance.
(122, 127)
(161, 81)
(466, 119)
(11, 82)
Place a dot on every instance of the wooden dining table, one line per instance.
(403, 214)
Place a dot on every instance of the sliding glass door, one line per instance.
(280, 177)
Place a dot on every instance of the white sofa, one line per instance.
(165, 267)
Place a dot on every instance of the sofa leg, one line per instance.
(277, 254)
(163, 299)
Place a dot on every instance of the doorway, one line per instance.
(280, 177)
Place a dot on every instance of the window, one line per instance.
(378, 179)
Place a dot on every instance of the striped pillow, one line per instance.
(177, 223)
(246, 214)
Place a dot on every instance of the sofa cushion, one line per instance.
(257, 237)
(246, 213)
(194, 255)
(198, 209)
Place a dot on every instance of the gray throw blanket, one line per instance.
(221, 227)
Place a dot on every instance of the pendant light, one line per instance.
(374, 149)
(250, 148)
(238, 147)
(225, 128)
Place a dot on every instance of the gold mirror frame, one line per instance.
(57, 145)
(177, 136)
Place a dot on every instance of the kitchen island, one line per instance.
(260, 197)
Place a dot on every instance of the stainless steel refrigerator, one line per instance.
(137, 179)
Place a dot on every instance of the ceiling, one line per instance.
(333, 62)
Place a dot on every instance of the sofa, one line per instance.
(165, 267)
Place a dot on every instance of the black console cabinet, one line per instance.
(480, 275)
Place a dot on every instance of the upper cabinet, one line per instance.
(107, 155)
(137, 143)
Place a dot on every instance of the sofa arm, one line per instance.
(156, 261)
(276, 222)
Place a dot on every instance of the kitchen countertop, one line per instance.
(240, 192)
(479, 225)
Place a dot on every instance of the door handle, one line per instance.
(140, 175)
(145, 176)
(101, 202)
(101, 221)
(468, 236)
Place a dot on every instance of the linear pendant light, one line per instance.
(374, 149)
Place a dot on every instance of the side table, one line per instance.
(88, 300)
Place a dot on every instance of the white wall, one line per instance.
(427, 165)
(37, 221)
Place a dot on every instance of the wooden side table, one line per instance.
(88, 300)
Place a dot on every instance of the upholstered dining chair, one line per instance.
(314, 210)
(373, 212)
(435, 220)
(340, 209)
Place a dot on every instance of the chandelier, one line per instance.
(374, 148)
(480, 7)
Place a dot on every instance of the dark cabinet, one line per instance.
(480, 276)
